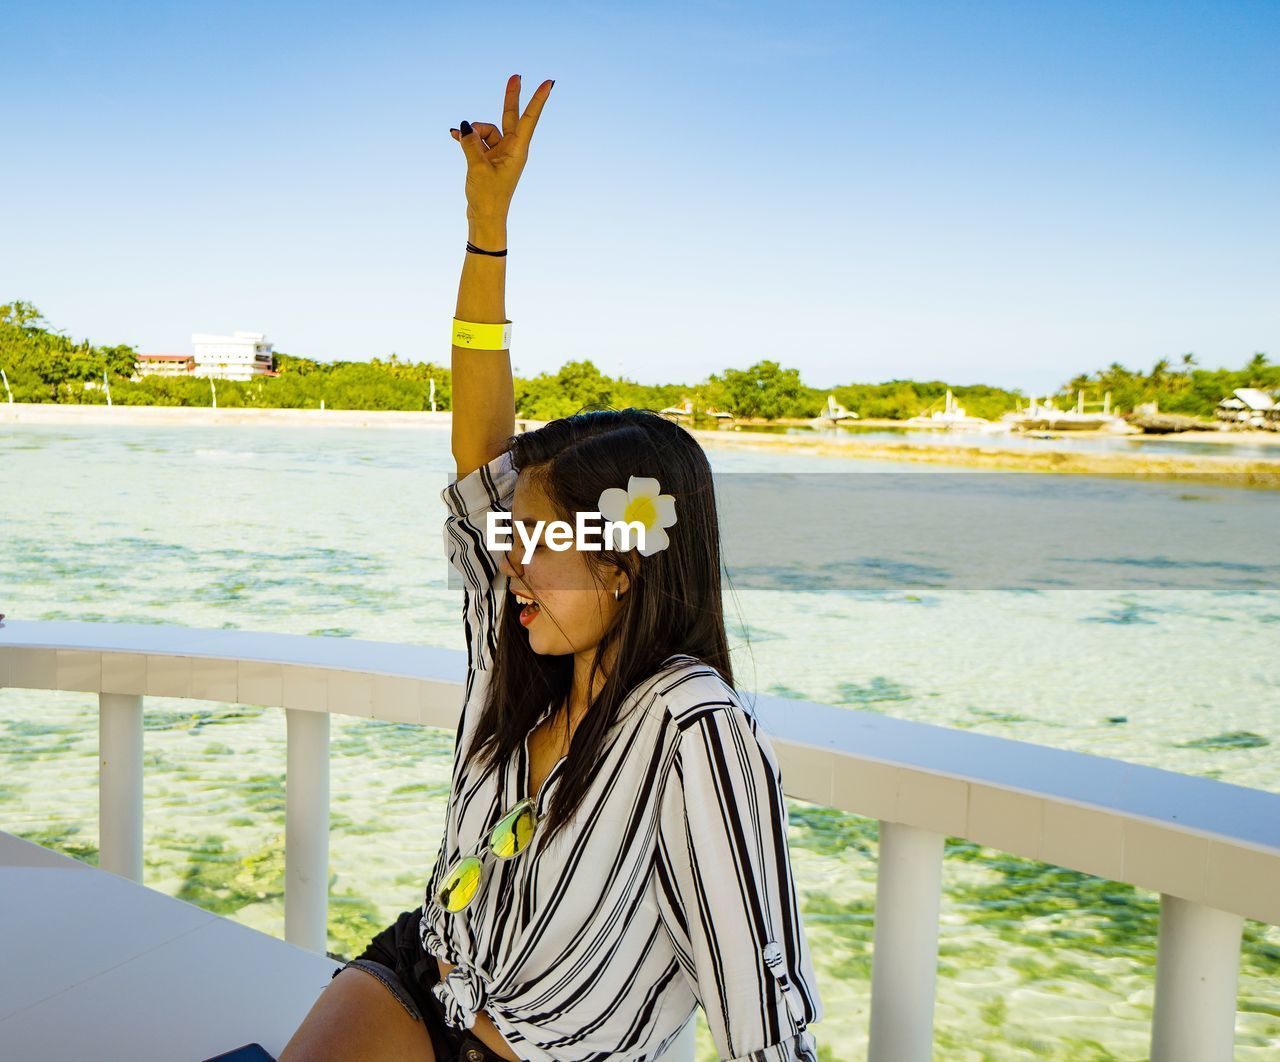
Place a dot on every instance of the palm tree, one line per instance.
(1114, 374)
(1257, 369)
(22, 314)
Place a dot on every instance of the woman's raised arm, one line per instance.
(483, 393)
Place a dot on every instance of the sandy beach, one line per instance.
(1226, 470)
(1227, 437)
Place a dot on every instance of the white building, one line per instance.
(239, 356)
(1247, 405)
(162, 365)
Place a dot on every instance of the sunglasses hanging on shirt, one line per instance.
(511, 836)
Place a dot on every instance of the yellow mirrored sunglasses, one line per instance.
(507, 839)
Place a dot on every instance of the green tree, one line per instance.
(21, 314)
(577, 386)
(1159, 375)
(1186, 389)
(45, 366)
(1256, 371)
(766, 390)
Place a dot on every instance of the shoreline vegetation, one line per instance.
(1226, 470)
(48, 376)
(42, 364)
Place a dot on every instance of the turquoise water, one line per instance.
(337, 532)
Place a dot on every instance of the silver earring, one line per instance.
(615, 594)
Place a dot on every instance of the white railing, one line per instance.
(1211, 850)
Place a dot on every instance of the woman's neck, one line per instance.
(579, 699)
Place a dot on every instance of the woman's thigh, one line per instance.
(357, 1020)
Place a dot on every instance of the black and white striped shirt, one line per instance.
(673, 887)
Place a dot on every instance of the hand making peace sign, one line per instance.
(495, 158)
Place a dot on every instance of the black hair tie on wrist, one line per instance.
(476, 250)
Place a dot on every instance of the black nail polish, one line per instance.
(464, 127)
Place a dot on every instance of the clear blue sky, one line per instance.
(1004, 193)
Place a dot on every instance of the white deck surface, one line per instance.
(93, 966)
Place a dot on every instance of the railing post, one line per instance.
(904, 964)
(120, 784)
(306, 830)
(1197, 972)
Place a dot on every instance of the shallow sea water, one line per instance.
(336, 532)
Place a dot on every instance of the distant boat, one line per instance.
(953, 416)
(832, 413)
(1047, 417)
(685, 412)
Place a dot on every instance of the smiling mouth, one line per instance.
(530, 610)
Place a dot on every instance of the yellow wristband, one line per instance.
(476, 336)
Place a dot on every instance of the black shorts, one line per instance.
(397, 958)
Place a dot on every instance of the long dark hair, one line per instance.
(673, 604)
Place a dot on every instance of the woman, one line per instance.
(615, 850)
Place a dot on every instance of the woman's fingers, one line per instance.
(529, 121)
(473, 148)
(511, 106)
(485, 136)
(489, 139)
(490, 134)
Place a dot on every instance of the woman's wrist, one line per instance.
(488, 233)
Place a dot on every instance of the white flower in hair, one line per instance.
(642, 502)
